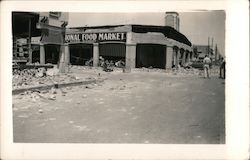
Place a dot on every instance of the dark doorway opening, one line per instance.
(181, 57)
(80, 53)
(186, 58)
(151, 55)
(35, 53)
(52, 52)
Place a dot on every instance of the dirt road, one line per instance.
(126, 108)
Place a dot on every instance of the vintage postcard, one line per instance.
(142, 83)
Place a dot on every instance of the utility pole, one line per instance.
(212, 42)
(208, 47)
(216, 54)
(212, 49)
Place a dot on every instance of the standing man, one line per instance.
(206, 65)
(223, 69)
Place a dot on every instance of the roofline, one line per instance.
(138, 30)
(23, 12)
(111, 26)
(172, 12)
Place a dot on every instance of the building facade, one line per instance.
(23, 29)
(41, 34)
(138, 45)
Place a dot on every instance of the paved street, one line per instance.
(126, 108)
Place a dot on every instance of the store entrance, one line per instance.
(52, 52)
(80, 53)
(151, 56)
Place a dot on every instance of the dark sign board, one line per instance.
(95, 37)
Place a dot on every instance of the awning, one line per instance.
(166, 30)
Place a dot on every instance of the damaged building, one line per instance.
(138, 46)
(38, 36)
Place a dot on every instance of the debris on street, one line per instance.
(89, 62)
(181, 71)
(40, 111)
(52, 72)
(42, 76)
(52, 97)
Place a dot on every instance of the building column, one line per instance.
(177, 56)
(62, 64)
(67, 54)
(169, 56)
(95, 54)
(183, 60)
(42, 54)
(130, 56)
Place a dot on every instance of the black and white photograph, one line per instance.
(124, 80)
(119, 77)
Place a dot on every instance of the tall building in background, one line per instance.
(172, 19)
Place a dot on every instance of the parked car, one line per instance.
(197, 64)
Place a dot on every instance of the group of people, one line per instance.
(207, 63)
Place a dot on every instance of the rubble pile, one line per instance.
(53, 93)
(35, 95)
(198, 72)
(42, 76)
(106, 65)
(110, 65)
(180, 71)
(89, 62)
(34, 77)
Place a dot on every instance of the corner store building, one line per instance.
(138, 45)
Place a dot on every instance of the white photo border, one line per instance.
(237, 85)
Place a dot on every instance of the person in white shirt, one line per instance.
(206, 66)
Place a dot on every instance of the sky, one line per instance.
(196, 26)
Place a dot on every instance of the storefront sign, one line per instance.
(95, 37)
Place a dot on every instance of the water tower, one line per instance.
(172, 20)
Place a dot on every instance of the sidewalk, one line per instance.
(32, 80)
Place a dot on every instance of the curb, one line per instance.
(56, 85)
